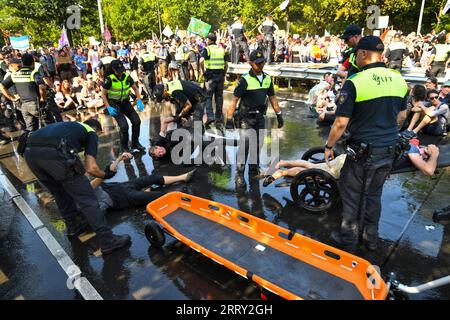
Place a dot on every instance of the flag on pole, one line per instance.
(284, 5)
(107, 34)
(20, 43)
(447, 6)
(155, 38)
(198, 27)
(63, 41)
(167, 32)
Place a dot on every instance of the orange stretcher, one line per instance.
(283, 262)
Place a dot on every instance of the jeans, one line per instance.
(30, 113)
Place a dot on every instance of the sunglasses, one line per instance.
(434, 97)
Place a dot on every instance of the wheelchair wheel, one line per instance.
(314, 155)
(315, 191)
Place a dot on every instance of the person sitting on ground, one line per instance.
(422, 158)
(89, 95)
(130, 194)
(433, 118)
(431, 83)
(326, 107)
(65, 98)
(417, 96)
(326, 83)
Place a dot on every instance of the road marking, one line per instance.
(3, 277)
(84, 287)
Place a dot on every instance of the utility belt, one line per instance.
(71, 157)
(357, 152)
(240, 115)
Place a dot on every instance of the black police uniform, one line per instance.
(193, 93)
(27, 83)
(239, 42)
(48, 155)
(148, 72)
(214, 85)
(372, 100)
(124, 110)
(105, 65)
(350, 55)
(250, 115)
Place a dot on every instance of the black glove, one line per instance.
(229, 125)
(280, 120)
(109, 173)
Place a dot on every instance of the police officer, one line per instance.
(369, 106)
(52, 155)
(181, 54)
(147, 63)
(214, 69)
(351, 36)
(116, 96)
(163, 60)
(239, 40)
(252, 91)
(440, 54)
(395, 53)
(188, 97)
(104, 65)
(30, 90)
(268, 29)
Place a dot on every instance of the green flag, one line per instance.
(199, 27)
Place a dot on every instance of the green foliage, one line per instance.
(135, 19)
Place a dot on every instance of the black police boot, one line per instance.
(114, 242)
(126, 148)
(76, 227)
(442, 214)
(240, 168)
(138, 146)
(337, 241)
(370, 239)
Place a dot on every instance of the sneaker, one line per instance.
(138, 146)
(114, 242)
(408, 134)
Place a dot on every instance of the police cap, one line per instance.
(350, 31)
(257, 56)
(158, 91)
(117, 66)
(370, 43)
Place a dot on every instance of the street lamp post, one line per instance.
(419, 26)
(102, 27)
(159, 20)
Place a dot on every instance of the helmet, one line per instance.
(158, 91)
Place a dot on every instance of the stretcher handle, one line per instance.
(426, 286)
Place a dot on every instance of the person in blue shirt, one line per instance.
(81, 63)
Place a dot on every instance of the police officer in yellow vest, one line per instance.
(116, 96)
(52, 155)
(440, 54)
(369, 106)
(351, 36)
(268, 29)
(104, 65)
(147, 64)
(214, 65)
(181, 55)
(188, 97)
(252, 91)
(30, 91)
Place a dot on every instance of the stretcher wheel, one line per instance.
(315, 155)
(155, 234)
(315, 190)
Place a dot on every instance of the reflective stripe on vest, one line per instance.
(107, 59)
(173, 86)
(216, 59)
(24, 75)
(88, 128)
(119, 89)
(254, 84)
(378, 82)
(352, 60)
(148, 57)
(442, 52)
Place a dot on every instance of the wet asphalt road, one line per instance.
(177, 272)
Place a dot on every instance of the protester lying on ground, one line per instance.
(433, 118)
(423, 158)
(135, 193)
